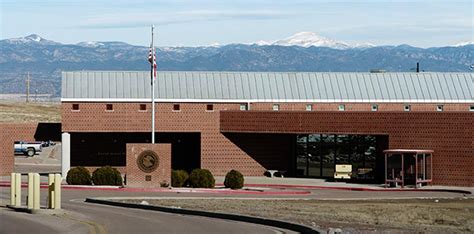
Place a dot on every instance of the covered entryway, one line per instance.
(101, 149)
(318, 154)
(408, 167)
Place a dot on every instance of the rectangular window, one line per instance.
(406, 107)
(142, 107)
(309, 107)
(243, 107)
(209, 107)
(75, 107)
(276, 107)
(341, 107)
(109, 107)
(375, 107)
(439, 108)
(176, 107)
(471, 108)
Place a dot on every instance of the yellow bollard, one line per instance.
(17, 189)
(30, 191)
(36, 191)
(57, 191)
(12, 189)
(51, 191)
(33, 191)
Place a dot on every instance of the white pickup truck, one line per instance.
(28, 148)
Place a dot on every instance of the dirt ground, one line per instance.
(413, 215)
(17, 112)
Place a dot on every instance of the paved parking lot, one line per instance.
(47, 161)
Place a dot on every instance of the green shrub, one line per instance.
(201, 178)
(234, 180)
(79, 176)
(106, 176)
(179, 178)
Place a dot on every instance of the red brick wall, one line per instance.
(218, 151)
(9, 133)
(136, 178)
(449, 134)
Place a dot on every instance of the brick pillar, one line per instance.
(148, 165)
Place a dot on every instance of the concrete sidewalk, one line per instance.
(302, 183)
(255, 181)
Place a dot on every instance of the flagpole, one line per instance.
(152, 88)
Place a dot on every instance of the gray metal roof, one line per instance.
(268, 86)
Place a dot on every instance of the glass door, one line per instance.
(327, 155)
(314, 155)
(301, 155)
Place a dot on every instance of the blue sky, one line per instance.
(421, 23)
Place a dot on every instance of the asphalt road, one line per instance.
(80, 217)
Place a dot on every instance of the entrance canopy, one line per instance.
(408, 166)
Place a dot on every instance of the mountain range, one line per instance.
(45, 59)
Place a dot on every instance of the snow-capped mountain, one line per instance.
(308, 39)
(91, 44)
(464, 43)
(33, 38)
(46, 59)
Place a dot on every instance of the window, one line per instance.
(276, 107)
(375, 107)
(243, 107)
(309, 107)
(341, 107)
(471, 108)
(142, 107)
(109, 107)
(406, 107)
(439, 108)
(209, 107)
(176, 107)
(75, 107)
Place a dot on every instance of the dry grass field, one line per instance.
(400, 215)
(18, 112)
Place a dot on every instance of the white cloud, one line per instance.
(132, 20)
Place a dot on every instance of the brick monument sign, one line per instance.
(148, 165)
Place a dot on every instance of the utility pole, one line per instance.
(28, 87)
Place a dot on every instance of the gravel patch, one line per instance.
(412, 215)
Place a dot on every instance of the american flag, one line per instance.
(152, 60)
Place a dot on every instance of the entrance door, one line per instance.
(327, 155)
(301, 155)
(314, 155)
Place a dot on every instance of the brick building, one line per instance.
(299, 123)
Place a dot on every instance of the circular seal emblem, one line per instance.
(147, 161)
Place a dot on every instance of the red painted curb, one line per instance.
(354, 188)
(166, 190)
(75, 187)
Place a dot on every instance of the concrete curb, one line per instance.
(356, 188)
(125, 189)
(168, 190)
(43, 210)
(242, 218)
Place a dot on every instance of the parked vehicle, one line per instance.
(28, 148)
(47, 143)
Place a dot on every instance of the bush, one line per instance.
(179, 178)
(106, 176)
(201, 178)
(79, 176)
(234, 180)
(164, 184)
